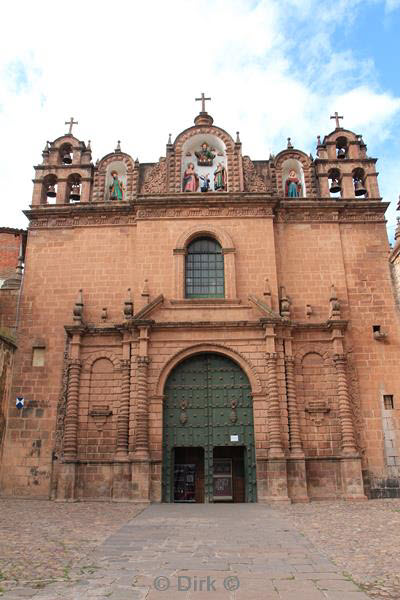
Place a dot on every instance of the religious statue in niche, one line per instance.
(116, 187)
(220, 178)
(205, 186)
(293, 186)
(204, 156)
(190, 179)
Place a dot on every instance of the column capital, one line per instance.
(271, 356)
(143, 361)
(74, 362)
(339, 358)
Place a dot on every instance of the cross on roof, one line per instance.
(203, 102)
(71, 123)
(337, 117)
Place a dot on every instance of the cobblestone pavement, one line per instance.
(235, 552)
(43, 540)
(362, 538)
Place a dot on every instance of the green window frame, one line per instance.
(204, 269)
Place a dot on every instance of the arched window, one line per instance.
(204, 269)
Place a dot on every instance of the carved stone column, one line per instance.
(294, 425)
(67, 474)
(274, 412)
(142, 417)
(71, 417)
(296, 468)
(123, 415)
(346, 422)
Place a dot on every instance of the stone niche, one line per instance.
(194, 145)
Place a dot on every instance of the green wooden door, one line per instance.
(208, 405)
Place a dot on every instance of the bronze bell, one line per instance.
(67, 160)
(359, 188)
(75, 193)
(335, 186)
(341, 153)
(51, 192)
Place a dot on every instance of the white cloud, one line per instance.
(131, 71)
(392, 5)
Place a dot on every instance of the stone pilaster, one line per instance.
(296, 467)
(276, 467)
(346, 422)
(142, 417)
(71, 417)
(123, 414)
(274, 412)
(296, 448)
(66, 483)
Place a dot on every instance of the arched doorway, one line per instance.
(208, 432)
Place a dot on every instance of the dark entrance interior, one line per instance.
(228, 474)
(188, 475)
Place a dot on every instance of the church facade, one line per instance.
(205, 328)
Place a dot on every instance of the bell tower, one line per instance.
(343, 169)
(66, 173)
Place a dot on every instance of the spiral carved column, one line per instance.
(71, 417)
(346, 422)
(274, 412)
(123, 415)
(294, 425)
(142, 416)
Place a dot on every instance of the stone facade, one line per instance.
(307, 290)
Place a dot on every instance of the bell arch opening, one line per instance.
(208, 432)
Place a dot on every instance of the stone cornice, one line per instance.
(119, 328)
(235, 205)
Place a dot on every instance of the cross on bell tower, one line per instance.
(71, 123)
(337, 117)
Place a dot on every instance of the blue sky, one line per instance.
(273, 69)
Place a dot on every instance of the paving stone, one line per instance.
(264, 549)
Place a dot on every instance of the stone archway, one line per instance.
(208, 432)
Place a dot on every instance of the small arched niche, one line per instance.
(74, 188)
(335, 183)
(293, 179)
(66, 154)
(360, 190)
(204, 164)
(49, 192)
(342, 148)
(116, 182)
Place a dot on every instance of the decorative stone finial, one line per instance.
(289, 143)
(334, 304)
(88, 147)
(238, 138)
(397, 232)
(169, 139)
(267, 293)
(97, 162)
(318, 140)
(145, 290)
(284, 304)
(78, 308)
(128, 305)
(118, 148)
